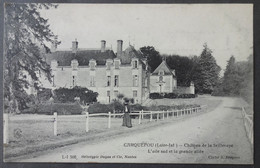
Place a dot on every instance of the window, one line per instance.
(92, 81)
(108, 93)
(73, 81)
(160, 78)
(135, 64)
(116, 64)
(108, 65)
(116, 80)
(161, 72)
(115, 93)
(74, 64)
(108, 80)
(135, 93)
(135, 80)
(92, 65)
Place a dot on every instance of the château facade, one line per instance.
(109, 74)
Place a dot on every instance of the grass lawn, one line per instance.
(27, 131)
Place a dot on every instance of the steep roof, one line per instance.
(83, 56)
(163, 66)
(129, 53)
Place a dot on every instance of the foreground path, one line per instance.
(214, 137)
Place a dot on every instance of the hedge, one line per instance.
(155, 96)
(60, 108)
(171, 95)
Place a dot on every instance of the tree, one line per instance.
(231, 79)
(207, 72)
(238, 79)
(153, 57)
(182, 66)
(22, 54)
(65, 95)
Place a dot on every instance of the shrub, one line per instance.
(137, 107)
(155, 96)
(117, 106)
(171, 95)
(44, 94)
(99, 108)
(65, 95)
(49, 109)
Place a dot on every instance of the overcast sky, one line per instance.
(170, 28)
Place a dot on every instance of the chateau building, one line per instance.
(102, 71)
(110, 74)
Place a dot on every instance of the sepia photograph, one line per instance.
(128, 83)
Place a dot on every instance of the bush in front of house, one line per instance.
(66, 95)
(50, 108)
(155, 96)
(99, 108)
(185, 96)
(171, 96)
(116, 106)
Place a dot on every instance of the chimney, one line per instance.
(119, 47)
(103, 45)
(74, 46)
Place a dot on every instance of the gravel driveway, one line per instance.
(214, 137)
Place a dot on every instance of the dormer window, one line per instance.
(92, 64)
(117, 64)
(74, 64)
(161, 72)
(108, 66)
(109, 63)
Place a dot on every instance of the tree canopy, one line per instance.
(206, 72)
(153, 57)
(26, 31)
(183, 68)
(237, 80)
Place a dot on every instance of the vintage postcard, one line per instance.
(128, 83)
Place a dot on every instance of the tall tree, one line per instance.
(238, 79)
(25, 29)
(182, 66)
(230, 80)
(207, 72)
(153, 57)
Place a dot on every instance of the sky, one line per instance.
(171, 28)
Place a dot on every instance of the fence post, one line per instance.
(157, 115)
(6, 127)
(151, 116)
(139, 118)
(109, 119)
(163, 114)
(167, 114)
(87, 122)
(55, 123)
(142, 114)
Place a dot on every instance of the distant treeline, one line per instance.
(205, 73)
(237, 80)
(202, 70)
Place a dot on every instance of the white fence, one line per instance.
(150, 115)
(248, 122)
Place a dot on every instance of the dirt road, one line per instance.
(214, 137)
